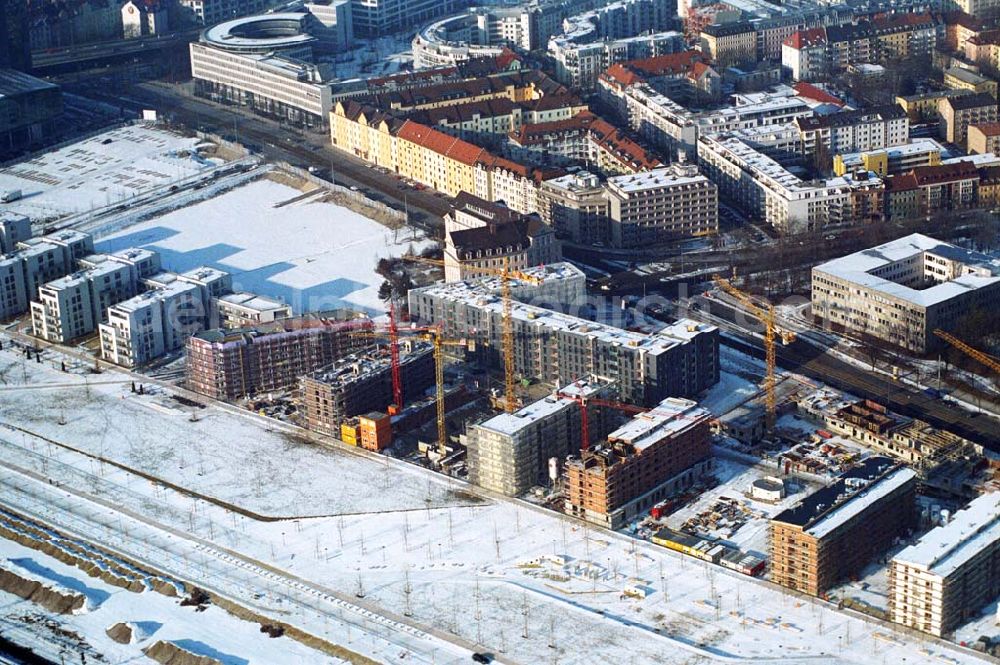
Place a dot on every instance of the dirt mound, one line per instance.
(121, 633)
(168, 653)
(61, 602)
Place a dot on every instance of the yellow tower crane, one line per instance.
(439, 343)
(765, 313)
(505, 274)
(975, 354)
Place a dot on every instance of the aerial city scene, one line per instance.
(534, 332)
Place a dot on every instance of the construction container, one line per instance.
(349, 433)
(375, 431)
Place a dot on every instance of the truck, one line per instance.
(10, 195)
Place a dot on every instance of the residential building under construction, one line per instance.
(950, 574)
(835, 532)
(361, 383)
(512, 452)
(644, 461)
(231, 364)
(550, 346)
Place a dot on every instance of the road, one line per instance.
(815, 363)
(112, 50)
(280, 142)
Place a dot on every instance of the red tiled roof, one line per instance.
(924, 176)
(698, 70)
(622, 75)
(988, 128)
(806, 38)
(810, 91)
(661, 65)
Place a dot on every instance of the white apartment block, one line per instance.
(655, 117)
(903, 290)
(768, 192)
(661, 205)
(854, 131)
(145, 327)
(950, 574)
(242, 310)
(13, 229)
(73, 306)
(13, 292)
(271, 85)
(755, 110)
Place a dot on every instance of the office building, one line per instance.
(15, 46)
(32, 108)
(835, 532)
(378, 18)
(951, 573)
(266, 64)
(232, 364)
(361, 382)
(903, 290)
(211, 12)
(643, 462)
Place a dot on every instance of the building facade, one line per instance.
(834, 533)
(642, 462)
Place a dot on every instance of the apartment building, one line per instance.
(927, 190)
(854, 131)
(680, 360)
(576, 206)
(34, 263)
(681, 76)
(482, 237)
(361, 382)
(767, 191)
(14, 229)
(579, 65)
(661, 205)
(951, 573)
(925, 107)
(960, 78)
(804, 55)
(903, 290)
(73, 306)
(152, 324)
(642, 462)
(835, 532)
(657, 119)
(232, 364)
(512, 452)
(584, 138)
(984, 138)
(957, 113)
(730, 44)
(245, 310)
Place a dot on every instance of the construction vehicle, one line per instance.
(505, 274)
(974, 353)
(766, 314)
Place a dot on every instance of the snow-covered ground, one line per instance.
(311, 254)
(739, 381)
(155, 617)
(107, 169)
(523, 583)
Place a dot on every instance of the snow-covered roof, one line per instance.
(669, 417)
(946, 548)
(978, 269)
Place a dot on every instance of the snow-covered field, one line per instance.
(240, 460)
(523, 583)
(107, 169)
(311, 254)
